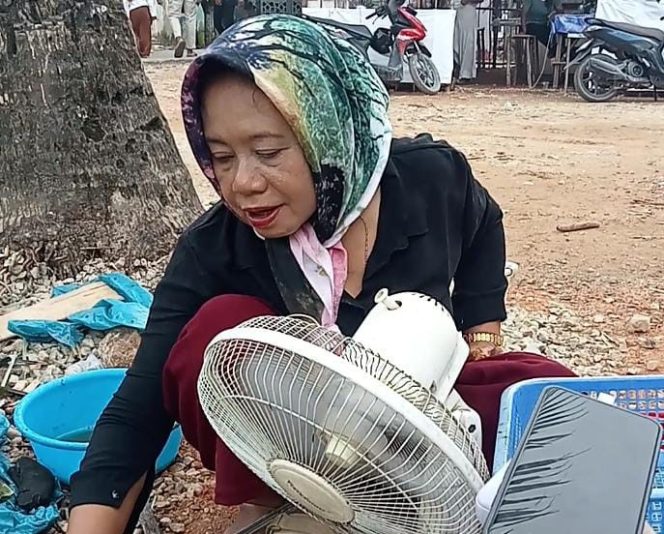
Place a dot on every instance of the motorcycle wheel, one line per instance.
(424, 73)
(592, 90)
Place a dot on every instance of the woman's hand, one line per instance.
(480, 348)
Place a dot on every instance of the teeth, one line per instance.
(261, 213)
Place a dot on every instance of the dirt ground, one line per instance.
(549, 160)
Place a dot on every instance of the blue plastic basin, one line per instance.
(70, 407)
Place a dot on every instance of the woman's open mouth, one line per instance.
(262, 217)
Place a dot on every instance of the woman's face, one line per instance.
(260, 166)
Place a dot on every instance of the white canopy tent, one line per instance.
(645, 13)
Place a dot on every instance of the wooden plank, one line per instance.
(59, 307)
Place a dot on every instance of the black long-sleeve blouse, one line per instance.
(436, 223)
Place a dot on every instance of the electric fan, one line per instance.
(364, 434)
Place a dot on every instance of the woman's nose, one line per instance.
(248, 179)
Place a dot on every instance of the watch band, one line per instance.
(484, 337)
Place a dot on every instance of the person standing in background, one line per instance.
(141, 13)
(224, 14)
(175, 8)
(465, 40)
(536, 19)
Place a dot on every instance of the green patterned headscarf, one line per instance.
(337, 106)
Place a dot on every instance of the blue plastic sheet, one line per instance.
(128, 289)
(109, 314)
(64, 288)
(16, 521)
(570, 23)
(4, 426)
(132, 312)
(47, 331)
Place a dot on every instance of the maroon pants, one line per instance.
(480, 385)
(141, 24)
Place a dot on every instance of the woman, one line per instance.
(320, 210)
(224, 14)
(465, 40)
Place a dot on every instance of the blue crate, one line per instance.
(641, 394)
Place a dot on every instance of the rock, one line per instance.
(639, 324)
(534, 348)
(13, 346)
(119, 347)
(652, 365)
(178, 528)
(655, 306)
(32, 386)
(648, 343)
(599, 318)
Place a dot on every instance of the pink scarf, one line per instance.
(326, 269)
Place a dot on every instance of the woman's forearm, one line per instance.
(99, 519)
(492, 327)
(483, 349)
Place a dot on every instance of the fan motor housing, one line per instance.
(311, 492)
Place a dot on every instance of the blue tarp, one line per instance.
(132, 312)
(4, 426)
(565, 24)
(64, 288)
(14, 520)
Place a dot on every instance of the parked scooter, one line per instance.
(401, 43)
(616, 57)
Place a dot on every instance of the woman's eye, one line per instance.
(224, 159)
(269, 153)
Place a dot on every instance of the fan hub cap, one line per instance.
(311, 492)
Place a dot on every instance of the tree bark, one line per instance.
(88, 165)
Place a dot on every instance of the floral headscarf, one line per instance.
(337, 107)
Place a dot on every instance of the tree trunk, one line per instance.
(88, 165)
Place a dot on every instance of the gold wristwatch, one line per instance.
(484, 337)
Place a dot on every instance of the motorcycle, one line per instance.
(401, 43)
(616, 57)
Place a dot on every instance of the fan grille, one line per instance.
(293, 407)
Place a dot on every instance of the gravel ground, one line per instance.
(557, 332)
(592, 300)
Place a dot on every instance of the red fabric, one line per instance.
(235, 483)
(480, 385)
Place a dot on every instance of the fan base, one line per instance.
(311, 492)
